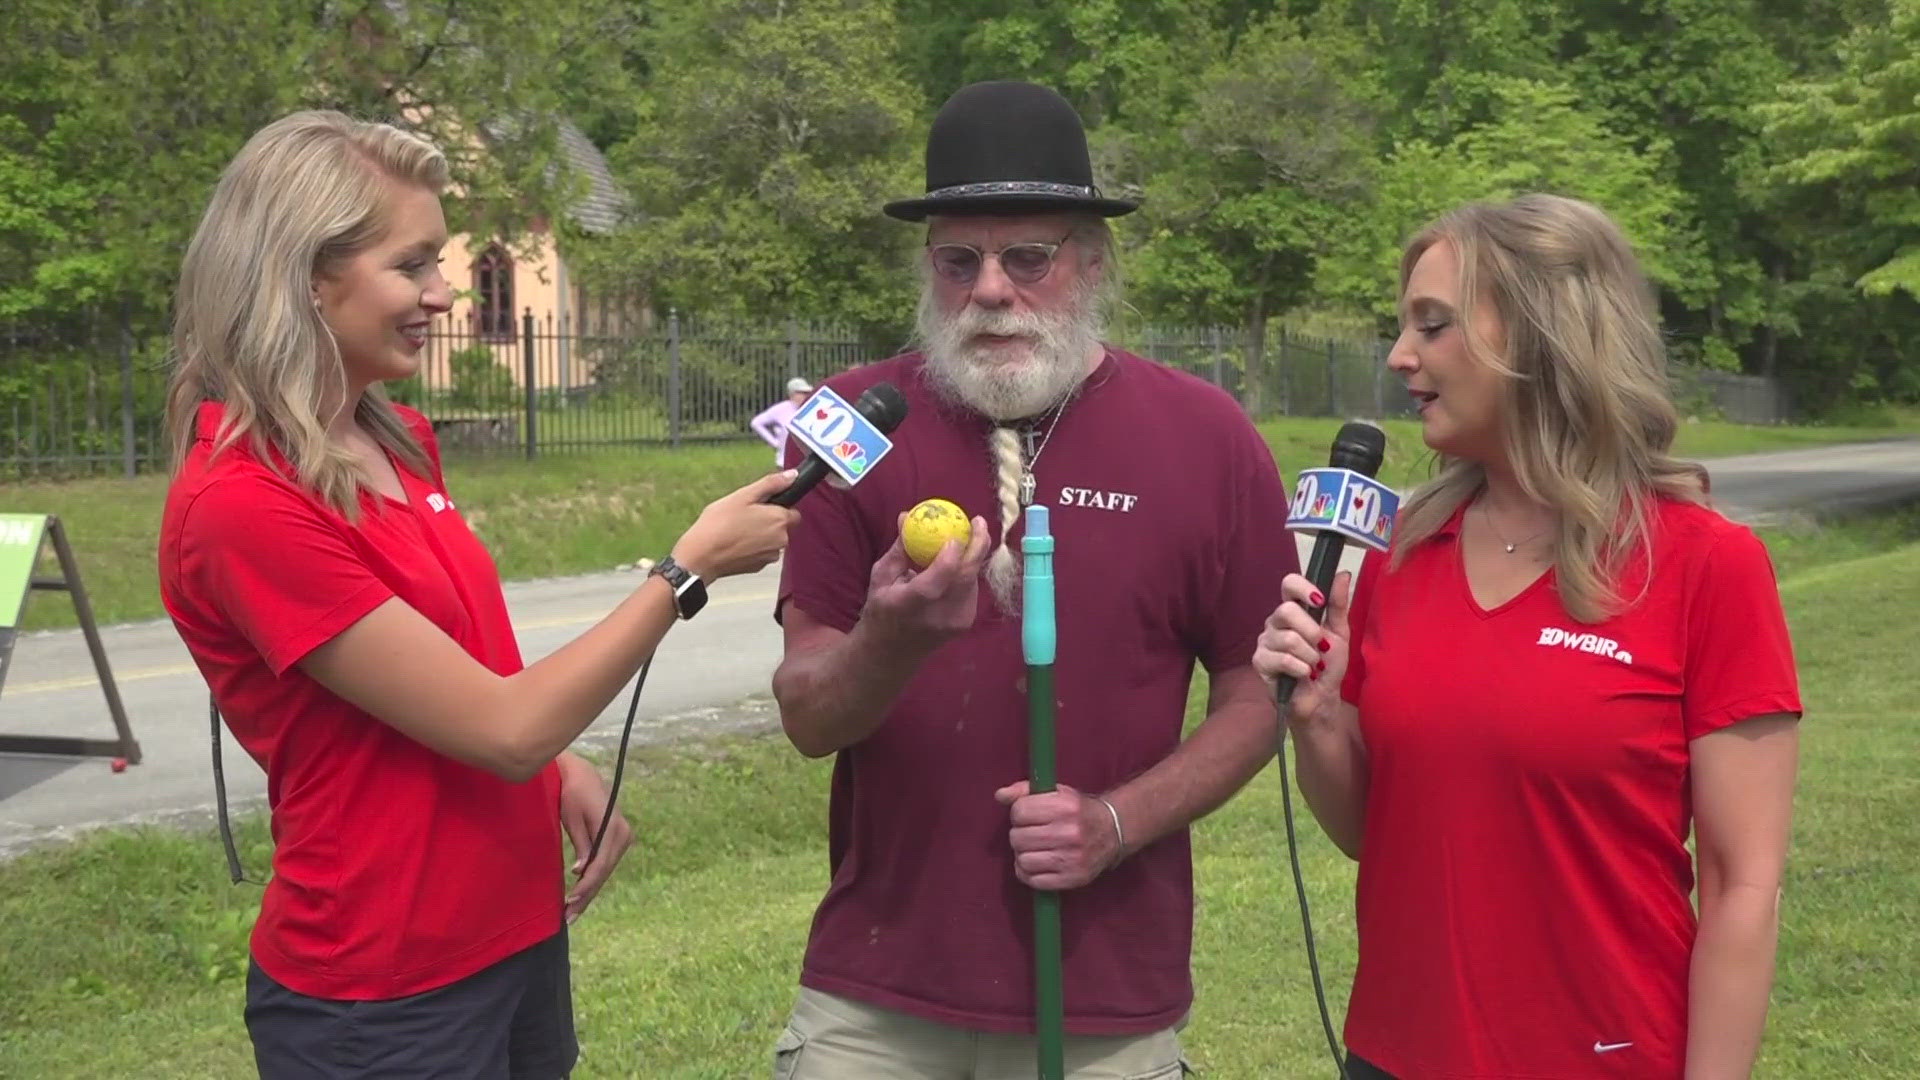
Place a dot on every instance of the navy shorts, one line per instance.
(1359, 1068)
(510, 1021)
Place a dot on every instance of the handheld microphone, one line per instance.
(1341, 502)
(842, 440)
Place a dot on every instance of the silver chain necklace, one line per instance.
(1488, 516)
(1031, 457)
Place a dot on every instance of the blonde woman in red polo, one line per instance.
(1565, 663)
(354, 634)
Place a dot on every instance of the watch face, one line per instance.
(690, 597)
(689, 592)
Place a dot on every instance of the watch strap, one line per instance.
(689, 592)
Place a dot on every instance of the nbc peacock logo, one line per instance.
(852, 455)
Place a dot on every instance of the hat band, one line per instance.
(1011, 187)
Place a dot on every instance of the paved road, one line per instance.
(706, 669)
(724, 656)
(1851, 477)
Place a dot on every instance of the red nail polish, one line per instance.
(1321, 668)
(1325, 645)
(1314, 675)
(1318, 599)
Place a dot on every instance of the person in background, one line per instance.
(772, 422)
(1565, 663)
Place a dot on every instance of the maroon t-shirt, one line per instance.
(1169, 516)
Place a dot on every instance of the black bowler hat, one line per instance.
(1007, 147)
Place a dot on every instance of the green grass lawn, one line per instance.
(570, 513)
(123, 952)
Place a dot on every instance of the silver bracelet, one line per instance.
(1120, 835)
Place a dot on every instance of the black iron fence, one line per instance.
(84, 395)
(87, 397)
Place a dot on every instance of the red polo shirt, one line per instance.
(395, 869)
(1524, 882)
(1170, 526)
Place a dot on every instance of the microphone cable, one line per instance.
(1306, 917)
(619, 765)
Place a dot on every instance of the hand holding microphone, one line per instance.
(1310, 655)
(1340, 503)
(746, 530)
(740, 532)
(842, 440)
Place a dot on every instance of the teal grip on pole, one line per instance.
(1039, 637)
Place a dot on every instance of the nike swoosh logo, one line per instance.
(1601, 1048)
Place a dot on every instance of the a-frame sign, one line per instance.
(22, 536)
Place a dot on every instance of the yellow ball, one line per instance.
(930, 524)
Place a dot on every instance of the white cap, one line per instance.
(797, 385)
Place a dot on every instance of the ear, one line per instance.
(1091, 233)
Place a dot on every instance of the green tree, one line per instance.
(1855, 138)
(1438, 64)
(118, 118)
(772, 132)
(1273, 146)
(1844, 182)
(1543, 140)
(1112, 58)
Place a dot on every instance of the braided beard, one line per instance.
(984, 378)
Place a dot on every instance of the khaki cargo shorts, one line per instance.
(833, 1038)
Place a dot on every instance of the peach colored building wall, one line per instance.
(540, 284)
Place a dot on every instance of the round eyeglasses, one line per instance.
(1023, 264)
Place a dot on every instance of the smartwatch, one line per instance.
(689, 592)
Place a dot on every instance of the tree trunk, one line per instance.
(1253, 389)
(1769, 331)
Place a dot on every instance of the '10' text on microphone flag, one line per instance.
(1345, 502)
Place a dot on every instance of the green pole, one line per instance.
(1038, 638)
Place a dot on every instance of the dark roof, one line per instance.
(600, 208)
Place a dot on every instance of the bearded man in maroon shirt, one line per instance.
(1169, 517)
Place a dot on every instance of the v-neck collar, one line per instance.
(1457, 560)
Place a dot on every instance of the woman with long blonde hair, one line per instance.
(356, 640)
(1566, 660)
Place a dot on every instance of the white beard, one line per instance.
(1059, 346)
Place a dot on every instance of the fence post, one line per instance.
(1333, 375)
(1379, 379)
(126, 393)
(563, 354)
(673, 376)
(1286, 373)
(793, 348)
(529, 374)
(1219, 361)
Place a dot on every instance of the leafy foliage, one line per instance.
(1762, 154)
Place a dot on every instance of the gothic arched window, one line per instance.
(493, 281)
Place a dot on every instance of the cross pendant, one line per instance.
(1026, 487)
